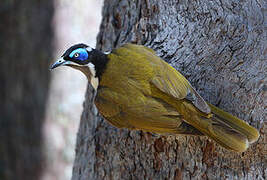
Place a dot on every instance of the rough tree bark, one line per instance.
(220, 46)
(26, 46)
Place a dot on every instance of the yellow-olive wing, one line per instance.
(171, 82)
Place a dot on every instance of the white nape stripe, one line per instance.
(89, 49)
(107, 52)
(94, 80)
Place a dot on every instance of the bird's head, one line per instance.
(89, 61)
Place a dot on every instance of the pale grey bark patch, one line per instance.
(220, 46)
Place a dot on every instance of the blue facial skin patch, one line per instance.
(83, 55)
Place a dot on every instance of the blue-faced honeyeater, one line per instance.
(136, 89)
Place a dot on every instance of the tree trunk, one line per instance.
(220, 46)
(26, 46)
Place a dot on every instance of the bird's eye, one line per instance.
(76, 55)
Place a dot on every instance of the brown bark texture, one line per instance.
(26, 47)
(220, 47)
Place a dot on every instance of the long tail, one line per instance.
(229, 131)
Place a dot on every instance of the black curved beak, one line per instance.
(58, 63)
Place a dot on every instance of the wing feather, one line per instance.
(170, 81)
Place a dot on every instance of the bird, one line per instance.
(137, 90)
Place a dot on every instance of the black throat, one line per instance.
(100, 61)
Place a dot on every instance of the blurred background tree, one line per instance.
(26, 36)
